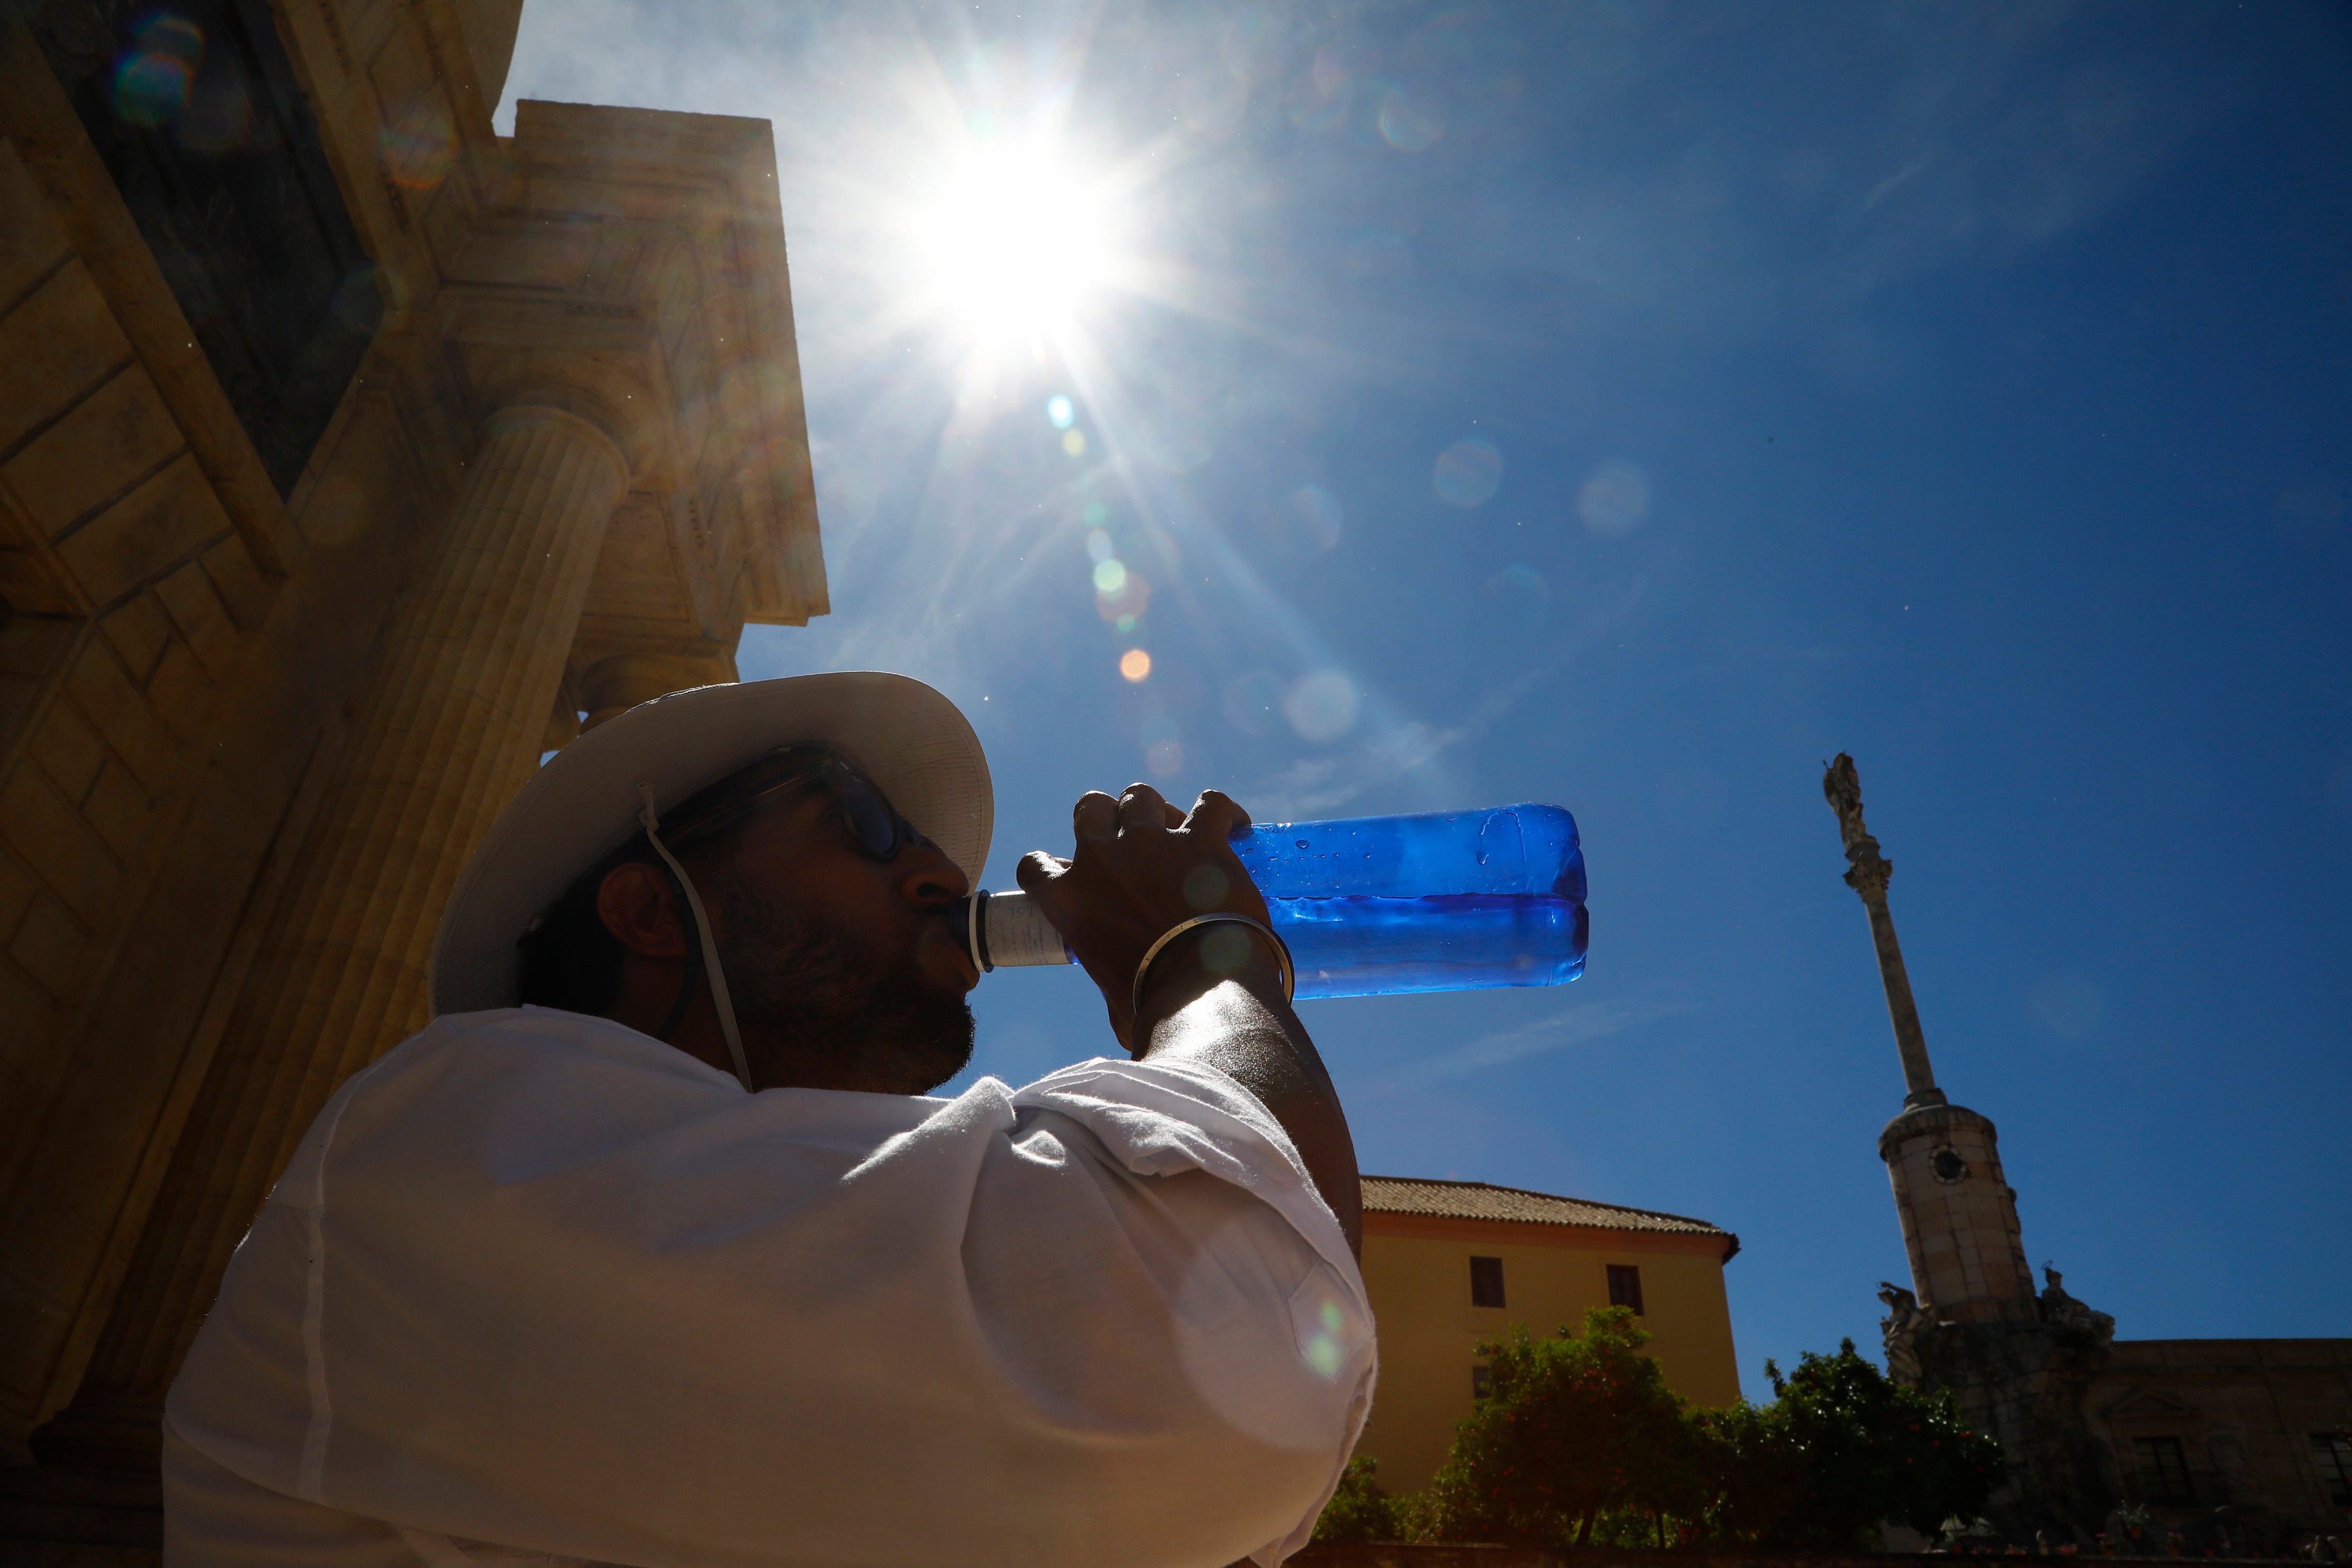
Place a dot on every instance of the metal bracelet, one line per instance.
(1281, 950)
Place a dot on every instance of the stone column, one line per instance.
(1868, 875)
(451, 727)
(1957, 1211)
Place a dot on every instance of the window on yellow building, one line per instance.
(1625, 1286)
(1482, 1379)
(1487, 1282)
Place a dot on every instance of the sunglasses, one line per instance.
(875, 826)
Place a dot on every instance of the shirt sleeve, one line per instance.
(600, 1303)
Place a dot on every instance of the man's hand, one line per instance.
(1214, 994)
(1141, 868)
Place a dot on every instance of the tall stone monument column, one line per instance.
(1958, 1210)
(451, 726)
(2017, 1365)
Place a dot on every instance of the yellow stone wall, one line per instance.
(143, 552)
(1417, 1268)
(203, 692)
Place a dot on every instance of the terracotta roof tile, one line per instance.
(1480, 1200)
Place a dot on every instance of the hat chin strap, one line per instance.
(651, 819)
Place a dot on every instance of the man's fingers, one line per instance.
(1095, 816)
(1038, 868)
(1171, 815)
(1217, 815)
(1141, 804)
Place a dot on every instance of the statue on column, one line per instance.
(2062, 1310)
(1899, 1330)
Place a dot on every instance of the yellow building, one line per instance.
(1451, 1263)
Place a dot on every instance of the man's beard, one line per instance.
(826, 1011)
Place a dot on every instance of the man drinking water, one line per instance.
(650, 1249)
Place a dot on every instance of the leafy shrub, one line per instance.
(1571, 1429)
(1359, 1510)
(1840, 1448)
(1578, 1441)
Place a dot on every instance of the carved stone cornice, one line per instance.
(674, 219)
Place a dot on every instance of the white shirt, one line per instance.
(537, 1287)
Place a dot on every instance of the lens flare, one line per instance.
(1320, 98)
(1615, 499)
(151, 81)
(1323, 1348)
(1074, 442)
(1468, 473)
(1318, 513)
(1125, 605)
(1136, 665)
(1205, 887)
(420, 150)
(1111, 576)
(1413, 120)
(2064, 1007)
(1098, 546)
(1322, 707)
(1058, 410)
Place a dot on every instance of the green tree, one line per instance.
(1579, 1440)
(1571, 1429)
(1360, 1509)
(1838, 1450)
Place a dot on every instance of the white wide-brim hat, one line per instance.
(911, 741)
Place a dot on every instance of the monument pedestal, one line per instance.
(2024, 1384)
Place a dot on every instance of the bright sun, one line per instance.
(1015, 241)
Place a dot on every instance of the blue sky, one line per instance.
(1630, 406)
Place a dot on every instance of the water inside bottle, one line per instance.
(1363, 946)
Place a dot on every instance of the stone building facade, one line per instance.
(2262, 1427)
(351, 457)
(2233, 1444)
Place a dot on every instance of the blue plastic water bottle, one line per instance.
(1375, 906)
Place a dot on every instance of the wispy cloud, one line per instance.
(1313, 785)
(1894, 182)
(1579, 1025)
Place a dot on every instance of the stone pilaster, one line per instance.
(452, 724)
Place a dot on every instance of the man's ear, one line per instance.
(639, 907)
